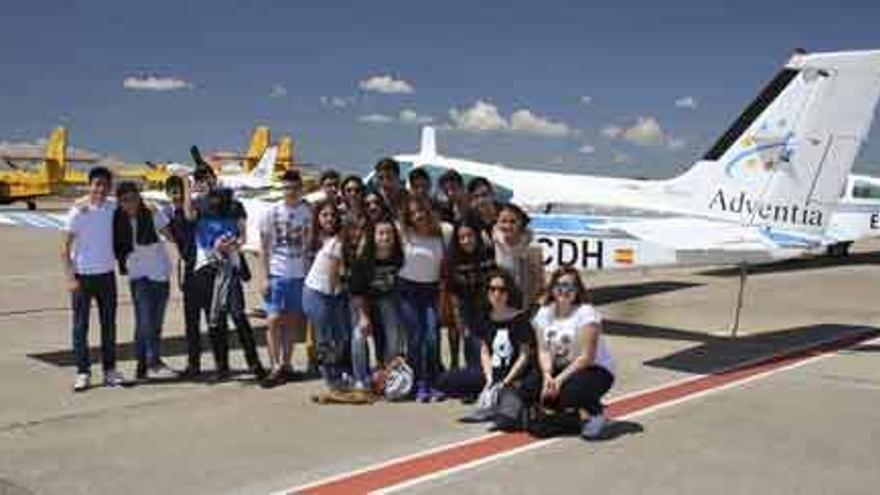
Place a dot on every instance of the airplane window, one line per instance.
(866, 190)
(501, 192)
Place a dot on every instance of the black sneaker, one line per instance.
(259, 373)
(273, 379)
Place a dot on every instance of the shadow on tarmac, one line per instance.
(715, 353)
(176, 346)
(569, 425)
(796, 264)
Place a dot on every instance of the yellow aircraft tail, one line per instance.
(258, 144)
(285, 159)
(55, 160)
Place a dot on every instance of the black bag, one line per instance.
(510, 410)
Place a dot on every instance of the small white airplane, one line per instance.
(768, 189)
(260, 178)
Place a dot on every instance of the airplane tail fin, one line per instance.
(784, 162)
(55, 159)
(266, 166)
(257, 147)
(285, 154)
(429, 141)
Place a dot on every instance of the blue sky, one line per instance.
(624, 88)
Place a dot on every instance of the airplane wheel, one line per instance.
(31, 206)
(839, 250)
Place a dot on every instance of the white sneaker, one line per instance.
(593, 427)
(113, 378)
(161, 372)
(82, 382)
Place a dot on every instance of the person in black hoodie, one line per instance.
(220, 231)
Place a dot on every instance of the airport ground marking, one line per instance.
(397, 474)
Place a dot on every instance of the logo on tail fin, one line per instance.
(761, 154)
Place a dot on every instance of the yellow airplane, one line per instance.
(260, 139)
(24, 185)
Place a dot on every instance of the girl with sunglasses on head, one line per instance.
(352, 205)
(576, 366)
(506, 347)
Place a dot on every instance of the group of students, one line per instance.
(369, 261)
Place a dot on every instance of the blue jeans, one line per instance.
(418, 313)
(330, 316)
(384, 313)
(101, 287)
(150, 298)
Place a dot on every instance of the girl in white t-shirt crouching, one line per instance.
(576, 367)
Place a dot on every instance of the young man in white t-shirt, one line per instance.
(87, 258)
(283, 233)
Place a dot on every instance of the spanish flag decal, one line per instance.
(624, 256)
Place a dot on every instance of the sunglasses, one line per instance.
(569, 287)
(497, 288)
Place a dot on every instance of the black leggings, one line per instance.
(583, 389)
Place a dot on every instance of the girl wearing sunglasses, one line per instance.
(576, 366)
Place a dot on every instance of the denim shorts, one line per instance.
(285, 296)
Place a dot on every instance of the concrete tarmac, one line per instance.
(807, 429)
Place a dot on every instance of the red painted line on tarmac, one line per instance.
(395, 472)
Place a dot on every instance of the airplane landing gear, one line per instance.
(839, 250)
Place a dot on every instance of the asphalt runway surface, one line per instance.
(787, 406)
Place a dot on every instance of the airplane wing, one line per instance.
(703, 241)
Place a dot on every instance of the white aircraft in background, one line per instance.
(858, 214)
(768, 189)
(261, 177)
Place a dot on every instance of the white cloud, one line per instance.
(386, 84)
(154, 83)
(645, 132)
(587, 149)
(337, 101)
(278, 91)
(686, 102)
(525, 121)
(481, 117)
(376, 118)
(612, 131)
(410, 116)
(586, 100)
